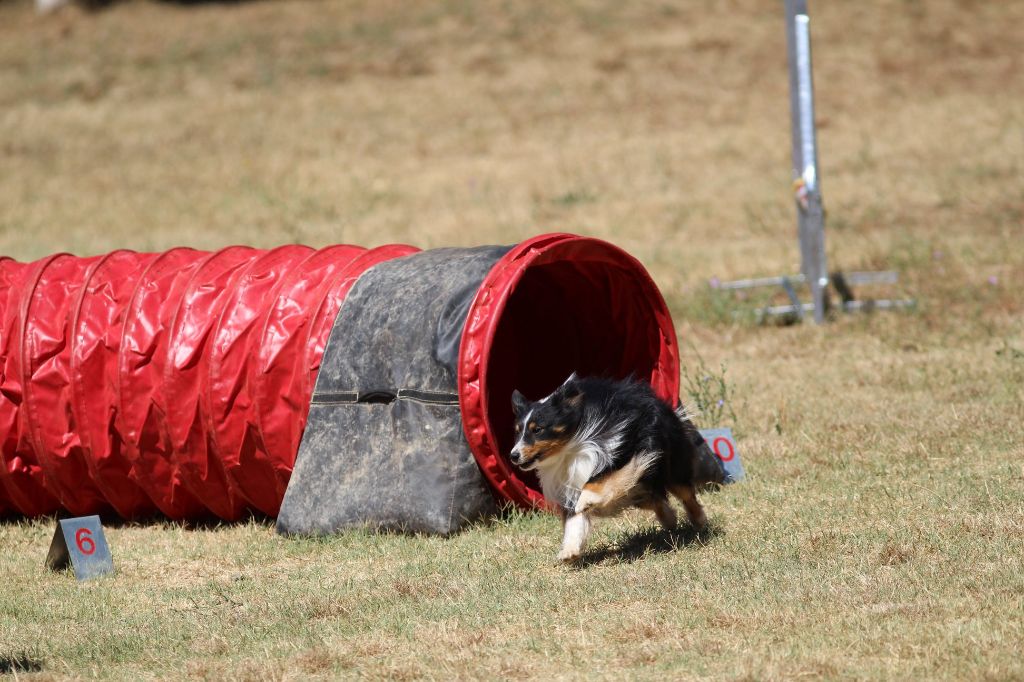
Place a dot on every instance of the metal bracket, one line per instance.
(794, 300)
(841, 282)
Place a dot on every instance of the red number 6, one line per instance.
(83, 538)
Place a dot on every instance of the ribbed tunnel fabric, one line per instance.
(176, 382)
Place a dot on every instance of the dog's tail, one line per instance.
(685, 413)
(707, 470)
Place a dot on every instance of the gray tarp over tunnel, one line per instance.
(384, 443)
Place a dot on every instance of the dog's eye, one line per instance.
(535, 429)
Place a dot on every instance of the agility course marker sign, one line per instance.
(80, 542)
(723, 445)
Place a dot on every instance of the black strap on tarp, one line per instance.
(379, 396)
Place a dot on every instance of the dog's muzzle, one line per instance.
(516, 458)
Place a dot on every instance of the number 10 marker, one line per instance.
(724, 446)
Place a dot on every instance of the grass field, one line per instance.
(880, 533)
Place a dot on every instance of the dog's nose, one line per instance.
(515, 457)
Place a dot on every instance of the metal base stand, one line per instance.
(840, 282)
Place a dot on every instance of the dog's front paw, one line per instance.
(568, 556)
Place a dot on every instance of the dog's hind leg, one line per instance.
(687, 494)
(577, 528)
(666, 514)
(664, 511)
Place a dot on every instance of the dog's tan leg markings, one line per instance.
(615, 490)
(577, 528)
(687, 494)
(594, 494)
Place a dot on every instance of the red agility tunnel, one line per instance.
(181, 382)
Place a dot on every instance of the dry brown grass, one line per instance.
(881, 531)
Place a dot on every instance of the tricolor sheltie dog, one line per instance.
(599, 446)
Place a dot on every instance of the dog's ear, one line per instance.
(568, 393)
(519, 402)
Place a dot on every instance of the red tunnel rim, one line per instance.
(482, 322)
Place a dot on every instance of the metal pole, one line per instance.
(806, 182)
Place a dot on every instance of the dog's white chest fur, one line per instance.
(590, 452)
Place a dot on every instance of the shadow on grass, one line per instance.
(651, 541)
(203, 523)
(111, 520)
(19, 662)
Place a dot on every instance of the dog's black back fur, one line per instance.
(650, 425)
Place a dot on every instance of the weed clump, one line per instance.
(709, 392)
